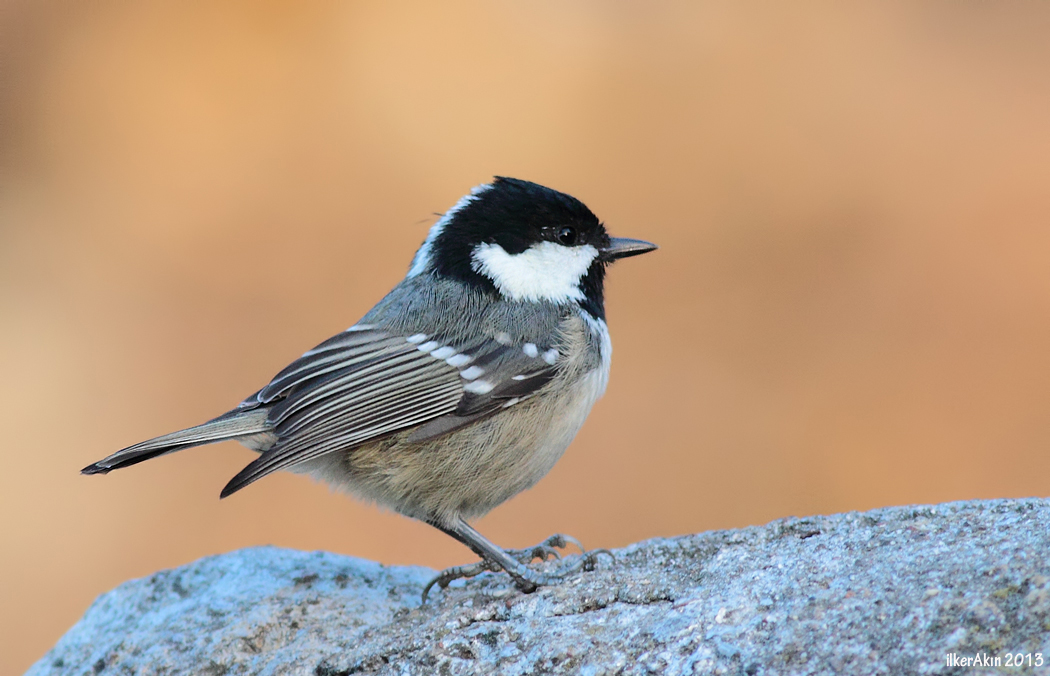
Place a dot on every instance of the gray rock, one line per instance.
(893, 591)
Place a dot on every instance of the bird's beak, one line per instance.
(622, 247)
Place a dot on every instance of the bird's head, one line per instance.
(525, 242)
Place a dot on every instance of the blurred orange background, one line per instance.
(850, 307)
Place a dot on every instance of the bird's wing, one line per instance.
(366, 383)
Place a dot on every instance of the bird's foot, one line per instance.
(516, 565)
(548, 549)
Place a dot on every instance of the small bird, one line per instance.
(458, 390)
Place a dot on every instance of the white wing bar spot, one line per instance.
(479, 387)
(458, 360)
(443, 352)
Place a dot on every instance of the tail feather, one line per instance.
(233, 425)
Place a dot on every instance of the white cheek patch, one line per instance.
(544, 271)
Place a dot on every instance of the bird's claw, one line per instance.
(589, 560)
(449, 575)
(548, 549)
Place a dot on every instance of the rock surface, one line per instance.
(893, 591)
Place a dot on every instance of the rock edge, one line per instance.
(892, 591)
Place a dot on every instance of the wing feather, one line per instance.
(366, 383)
(360, 381)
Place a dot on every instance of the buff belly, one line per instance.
(468, 472)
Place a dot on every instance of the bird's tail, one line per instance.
(237, 424)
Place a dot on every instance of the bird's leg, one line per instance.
(495, 559)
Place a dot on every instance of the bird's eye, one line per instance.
(567, 236)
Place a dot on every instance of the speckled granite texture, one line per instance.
(892, 591)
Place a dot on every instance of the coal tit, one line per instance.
(458, 390)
